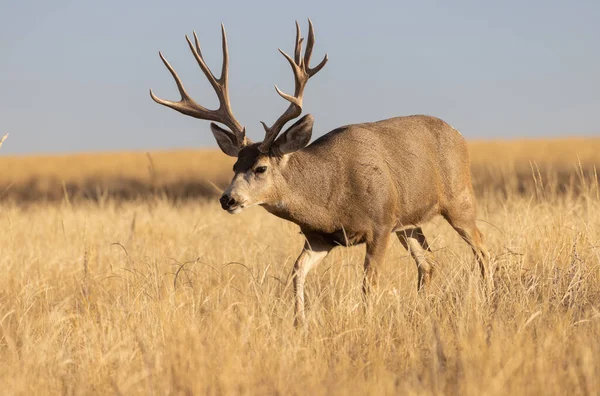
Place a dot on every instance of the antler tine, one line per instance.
(225, 67)
(197, 42)
(298, 47)
(200, 59)
(310, 42)
(308, 53)
(302, 73)
(188, 106)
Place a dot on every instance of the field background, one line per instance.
(123, 276)
(506, 166)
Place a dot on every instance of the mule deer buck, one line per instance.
(357, 184)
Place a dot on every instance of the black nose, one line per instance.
(227, 201)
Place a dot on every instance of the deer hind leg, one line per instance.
(463, 221)
(313, 253)
(415, 243)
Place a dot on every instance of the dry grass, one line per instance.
(151, 297)
(3, 139)
(120, 175)
(166, 165)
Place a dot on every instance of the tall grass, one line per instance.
(155, 297)
(3, 139)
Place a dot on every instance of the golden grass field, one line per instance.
(152, 295)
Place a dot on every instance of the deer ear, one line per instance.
(295, 137)
(225, 140)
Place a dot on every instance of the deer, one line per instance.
(357, 184)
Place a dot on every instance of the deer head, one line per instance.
(258, 169)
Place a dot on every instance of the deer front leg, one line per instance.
(313, 253)
(373, 259)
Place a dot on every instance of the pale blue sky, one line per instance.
(74, 75)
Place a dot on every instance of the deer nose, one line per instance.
(227, 201)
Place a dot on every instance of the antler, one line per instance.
(3, 139)
(302, 73)
(188, 106)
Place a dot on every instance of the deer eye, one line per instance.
(260, 169)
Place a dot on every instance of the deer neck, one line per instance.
(304, 192)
